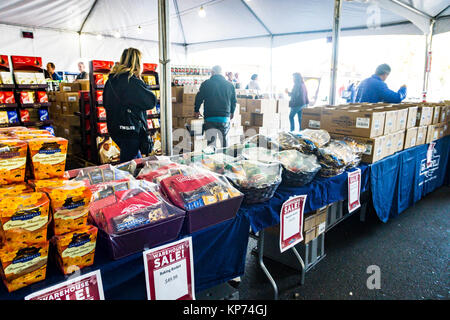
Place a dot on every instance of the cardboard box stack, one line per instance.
(314, 224)
(64, 104)
(383, 128)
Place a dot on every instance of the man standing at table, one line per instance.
(219, 102)
(374, 89)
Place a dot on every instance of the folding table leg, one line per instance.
(300, 260)
(262, 265)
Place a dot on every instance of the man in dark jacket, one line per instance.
(374, 89)
(219, 102)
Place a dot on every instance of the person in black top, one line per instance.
(126, 99)
(219, 99)
(83, 74)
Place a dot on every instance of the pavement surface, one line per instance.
(412, 252)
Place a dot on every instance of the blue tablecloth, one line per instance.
(320, 192)
(402, 179)
(219, 256)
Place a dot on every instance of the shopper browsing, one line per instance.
(374, 89)
(253, 84)
(52, 73)
(126, 99)
(219, 102)
(299, 100)
(83, 74)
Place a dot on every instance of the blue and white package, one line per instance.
(158, 108)
(12, 116)
(49, 129)
(43, 115)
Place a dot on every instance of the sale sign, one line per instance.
(430, 153)
(354, 190)
(85, 287)
(169, 271)
(291, 222)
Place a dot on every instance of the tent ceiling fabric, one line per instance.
(224, 20)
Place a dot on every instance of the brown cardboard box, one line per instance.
(390, 145)
(441, 127)
(390, 122)
(432, 133)
(412, 117)
(309, 222)
(402, 118)
(182, 110)
(67, 97)
(183, 121)
(265, 120)
(410, 137)
(444, 110)
(242, 109)
(69, 87)
(177, 94)
(421, 135)
(424, 115)
(374, 147)
(263, 106)
(311, 117)
(283, 106)
(189, 99)
(70, 107)
(84, 84)
(436, 117)
(242, 104)
(400, 140)
(310, 235)
(367, 123)
(246, 119)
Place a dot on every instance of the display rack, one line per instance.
(85, 125)
(151, 78)
(189, 75)
(9, 104)
(30, 65)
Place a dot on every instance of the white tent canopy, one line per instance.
(68, 30)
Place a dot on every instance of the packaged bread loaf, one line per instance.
(24, 218)
(13, 159)
(76, 250)
(23, 264)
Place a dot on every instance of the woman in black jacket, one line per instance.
(299, 100)
(126, 99)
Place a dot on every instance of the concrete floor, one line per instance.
(411, 250)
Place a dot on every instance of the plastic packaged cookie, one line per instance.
(48, 157)
(13, 159)
(76, 250)
(24, 218)
(310, 140)
(23, 264)
(101, 174)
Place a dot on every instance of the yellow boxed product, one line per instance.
(76, 250)
(23, 264)
(6, 78)
(15, 189)
(24, 218)
(13, 159)
(48, 157)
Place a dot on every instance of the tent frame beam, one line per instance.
(87, 16)
(175, 4)
(407, 6)
(257, 17)
(335, 51)
(440, 13)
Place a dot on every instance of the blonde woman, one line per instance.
(126, 99)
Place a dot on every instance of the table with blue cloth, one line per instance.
(219, 256)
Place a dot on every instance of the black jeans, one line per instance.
(213, 129)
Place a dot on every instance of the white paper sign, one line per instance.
(430, 153)
(354, 190)
(169, 271)
(85, 287)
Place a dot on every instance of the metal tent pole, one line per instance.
(271, 65)
(164, 78)
(427, 68)
(335, 53)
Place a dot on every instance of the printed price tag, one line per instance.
(85, 287)
(291, 222)
(430, 153)
(169, 271)
(354, 190)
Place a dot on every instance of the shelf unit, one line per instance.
(8, 89)
(30, 65)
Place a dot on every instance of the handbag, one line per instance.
(145, 143)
